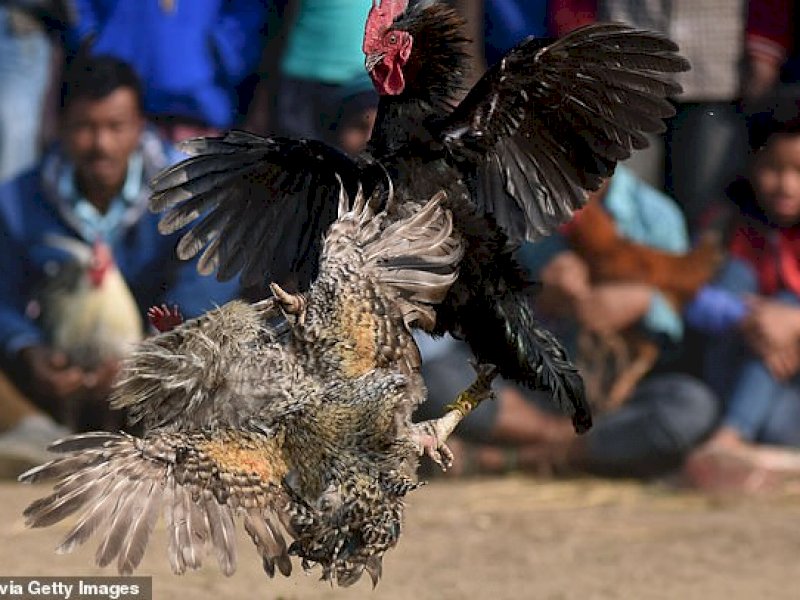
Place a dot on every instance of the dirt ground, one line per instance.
(502, 539)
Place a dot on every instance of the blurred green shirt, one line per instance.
(325, 42)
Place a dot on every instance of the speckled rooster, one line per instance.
(293, 413)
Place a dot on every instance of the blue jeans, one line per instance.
(24, 77)
(758, 406)
(653, 432)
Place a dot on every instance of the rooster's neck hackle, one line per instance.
(434, 74)
(437, 66)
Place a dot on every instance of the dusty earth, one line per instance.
(505, 538)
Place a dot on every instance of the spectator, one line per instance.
(25, 65)
(92, 187)
(496, 26)
(706, 140)
(191, 56)
(754, 309)
(320, 59)
(665, 416)
(771, 49)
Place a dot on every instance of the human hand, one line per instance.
(257, 120)
(568, 275)
(770, 325)
(613, 307)
(565, 280)
(98, 382)
(51, 374)
(783, 363)
(761, 76)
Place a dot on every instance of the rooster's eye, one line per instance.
(392, 38)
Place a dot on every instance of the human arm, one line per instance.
(772, 330)
(715, 310)
(565, 283)
(769, 33)
(48, 372)
(280, 20)
(236, 36)
(473, 12)
(720, 305)
(86, 24)
(566, 15)
(613, 307)
(607, 307)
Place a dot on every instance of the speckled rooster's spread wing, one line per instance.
(412, 261)
(221, 369)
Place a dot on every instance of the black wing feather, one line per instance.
(263, 204)
(546, 124)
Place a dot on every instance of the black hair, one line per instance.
(96, 77)
(781, 119)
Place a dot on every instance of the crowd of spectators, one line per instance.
(701, 384)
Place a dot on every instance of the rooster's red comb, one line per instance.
(382, 15)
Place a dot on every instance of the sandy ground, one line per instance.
(505, 538)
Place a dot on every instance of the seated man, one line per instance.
(662, 417)
(81, 255)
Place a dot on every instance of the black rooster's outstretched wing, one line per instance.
(547, 123)
(265, 204)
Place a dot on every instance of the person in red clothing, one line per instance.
(753, 362)
(770, 44)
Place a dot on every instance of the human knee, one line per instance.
(689, 410)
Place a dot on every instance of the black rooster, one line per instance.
(514, 156)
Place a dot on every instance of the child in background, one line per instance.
(754, 310)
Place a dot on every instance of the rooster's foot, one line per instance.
(480, 390)
(429, 438)
(165, 318)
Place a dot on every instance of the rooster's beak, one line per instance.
(373, 59)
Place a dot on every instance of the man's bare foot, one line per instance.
(728, 464)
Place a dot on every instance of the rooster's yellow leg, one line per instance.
(431, 436)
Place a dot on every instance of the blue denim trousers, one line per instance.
(24, 77)
(758, 406)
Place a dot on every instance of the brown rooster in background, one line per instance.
(612, 364)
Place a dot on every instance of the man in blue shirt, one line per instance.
(93, 187)
(191, 54)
